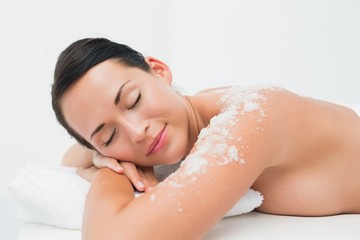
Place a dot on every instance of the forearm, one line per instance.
(109, 193)
(111, 211)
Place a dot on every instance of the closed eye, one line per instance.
(108, 142)
(136, 101)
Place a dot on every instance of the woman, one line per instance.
(300, 153)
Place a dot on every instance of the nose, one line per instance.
(136, 130)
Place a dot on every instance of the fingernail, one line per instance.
(119, 169)
(141, 184)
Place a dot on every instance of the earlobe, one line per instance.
(159, 68)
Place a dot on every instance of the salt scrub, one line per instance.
(175, 184)
(197, 164)
(214, 139)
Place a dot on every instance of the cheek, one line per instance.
(155, 107)
(169, 103)
(120, 151)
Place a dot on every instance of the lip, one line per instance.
(158, 142)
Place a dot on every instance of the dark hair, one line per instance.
(77, 59)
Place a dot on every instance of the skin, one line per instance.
(304, 159)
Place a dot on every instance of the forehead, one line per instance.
(105, 73)
(99, 81)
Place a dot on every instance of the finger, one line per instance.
(101, 161)
(144, 179)
(150, 179)
(150, 175)
(133, 174)
(147, 176)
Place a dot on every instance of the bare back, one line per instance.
(318, 172)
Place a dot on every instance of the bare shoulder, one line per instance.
(241, 130)
(270, 119)
(209, 90)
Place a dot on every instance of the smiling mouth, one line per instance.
(158, 142)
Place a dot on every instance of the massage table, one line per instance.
(250, 226)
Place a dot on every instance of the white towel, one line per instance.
(49, 195)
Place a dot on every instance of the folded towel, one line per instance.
(55, 195)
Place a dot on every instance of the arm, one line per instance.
(78, 156)
(175, 202)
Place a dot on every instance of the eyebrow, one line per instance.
(97, 130)
(116, 102)
(118, 95)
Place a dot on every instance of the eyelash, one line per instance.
(108, 142)
(136, 102)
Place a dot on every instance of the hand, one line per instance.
(143, 178)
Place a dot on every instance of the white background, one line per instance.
(308, 46)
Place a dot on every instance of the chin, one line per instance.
(176, 159)
(169, 161)
(172, 162)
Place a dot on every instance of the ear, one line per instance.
(159, 69)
